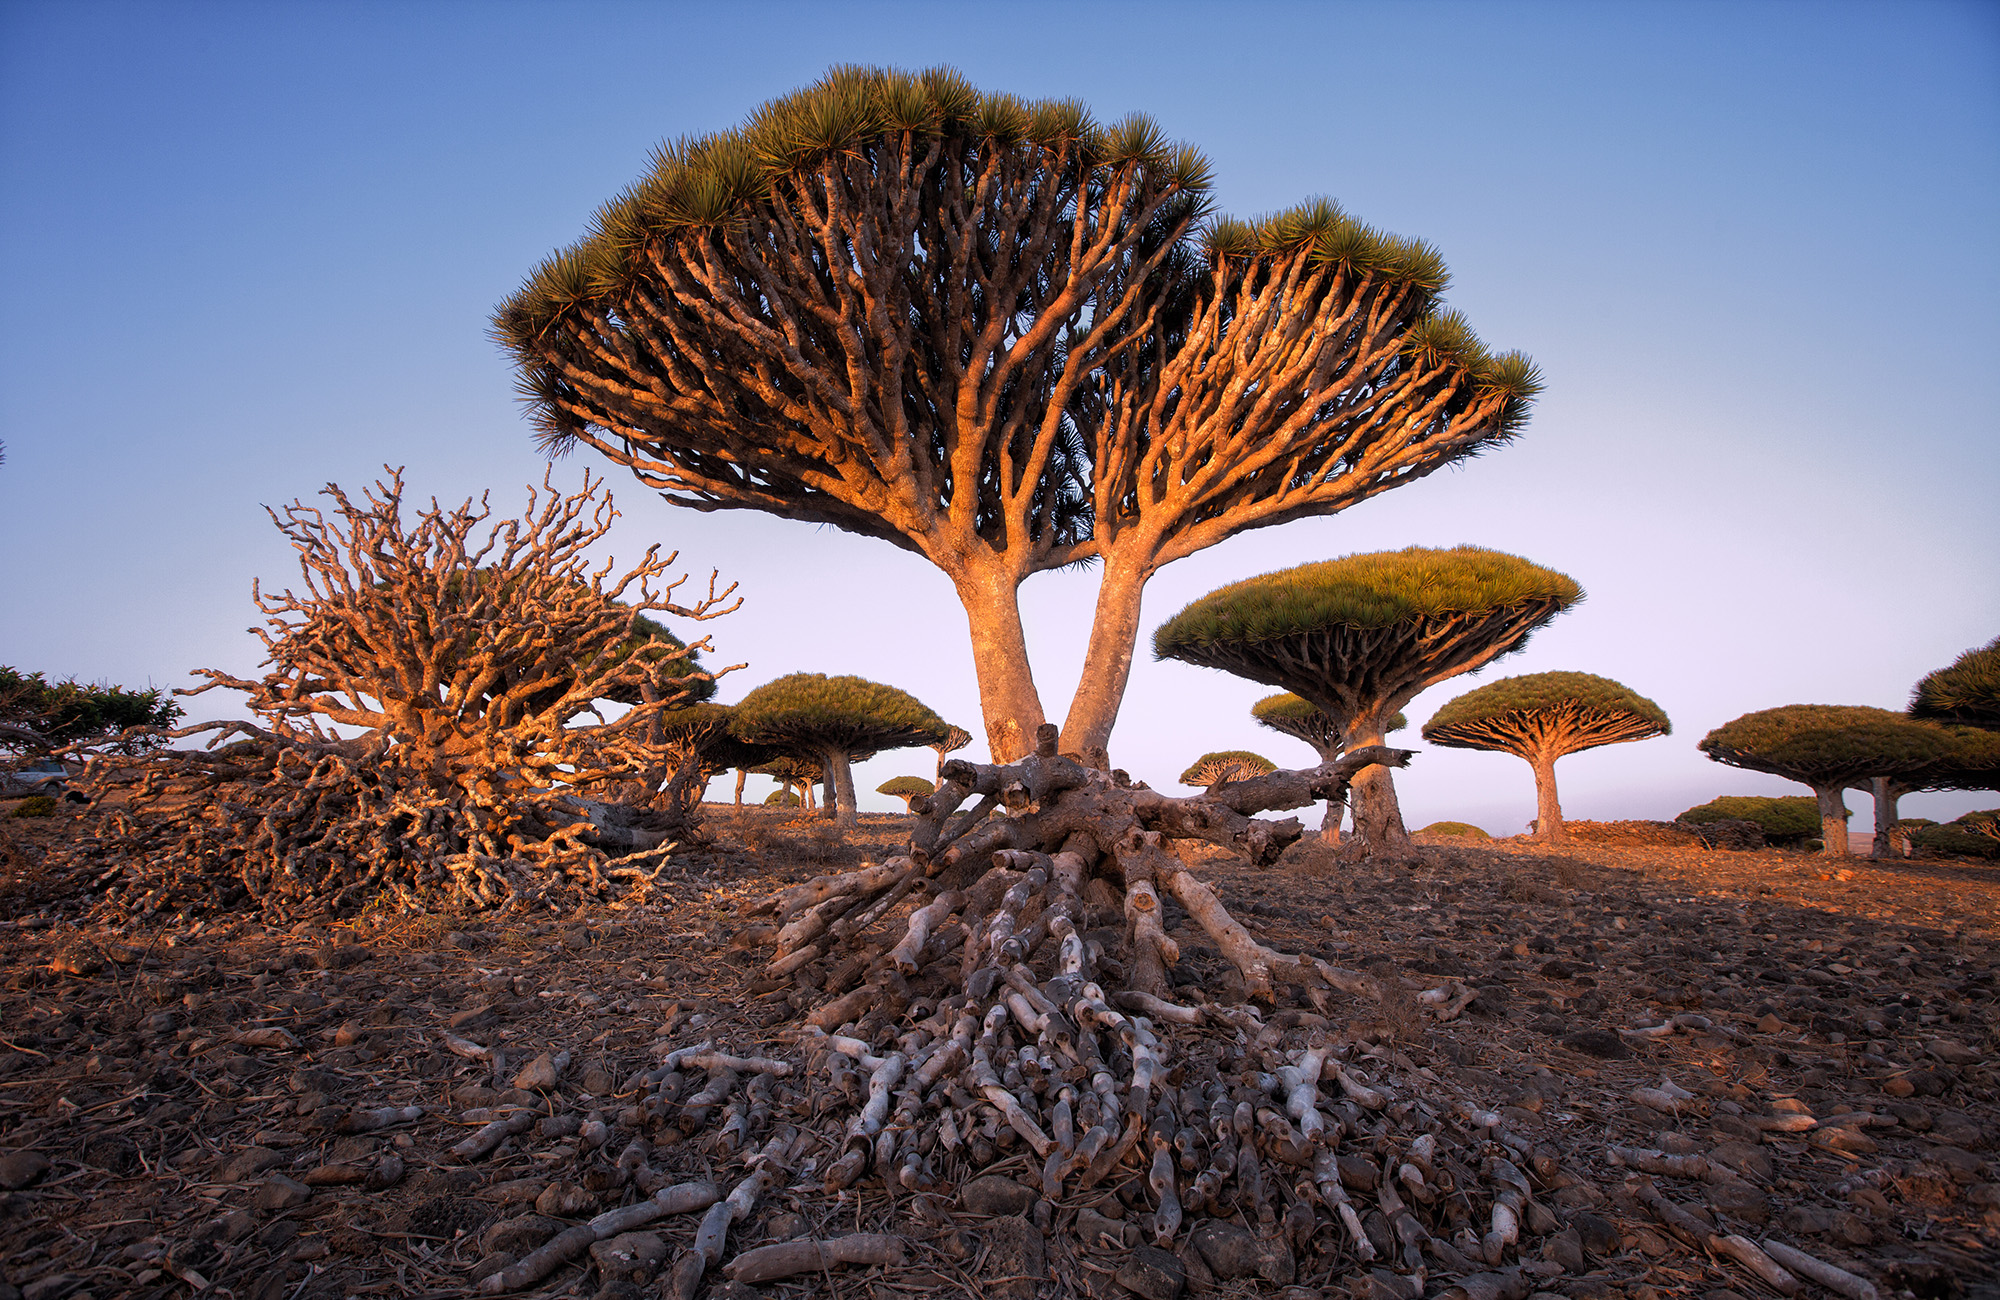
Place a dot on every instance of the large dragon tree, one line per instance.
(1967, 692)
(1360, 637)
(1830, 748)
(1301, 719)
(835, 720)
(1541, 717)
(1000, 335)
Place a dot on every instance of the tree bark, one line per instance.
(1889, 842)
(1832, 820)
(1329, 824)
(840, 788)
(1010, 706)
(1378, 816)
(1107, 663)
(742, 775)
(1548, 812)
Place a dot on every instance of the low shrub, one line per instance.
(1785, 819)
(1463, 830)
(40, 805)
(782, 799)
(1971, 836)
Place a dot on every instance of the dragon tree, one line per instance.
(1289, 715)
(1360, 637)
(1002, 336)
(1541, 717)
(1972, 762)
(1967, 692)
(1226, 765)
(1830, 748)
(908, 789)
(835, 720)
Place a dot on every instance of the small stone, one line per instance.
(1808, 1220)
(1231, 1252)
(490, 1264)
(1601, 1043)
(784, 1225)
(632, 1256)
(1740, 1201)
(1851, 1229)
(518, 1235)
(597, 1082)
(20, 1169)
(334, 1176)
(1951, 1053)
(1153, 1274)
(557, 1127)
(1098, 1231)
(1750, 1161)
(517, 1191)
(1599, 1235)
(1770, 1024)
(1565, 1248)
(1899, 1086)
(278, 1192)
(540, 1073)
(995, 1194)
(565, 1199)
(247, 1164)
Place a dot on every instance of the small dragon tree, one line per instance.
(1967, 693)
(1830, 748)
(836, 720)
(39, 715)
(789, 771)
(907, 788)
(955, 739)
(1361, 636)
(1972, 763)
(1541, 717)
(468, 672)
(1226, 765)
(700, 744)
(1301, 719)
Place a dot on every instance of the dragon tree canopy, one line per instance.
(1967, 692)
(835, 720)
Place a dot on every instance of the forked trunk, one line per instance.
(1107, 664)
(1008, 702)
(1378, 817)
(1832, 820)
(839, 788)
(1889, 842)
(1548, 812)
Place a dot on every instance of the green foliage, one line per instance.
(1226, 765)
(40, 805)
(1968, 692)
(1824, 744)
(68, 712)
(811, 712)
(905, 787)
(1975, 835)
(1294, 716)
(1784, 819)
(1536, 693)
(1374, 590)
(1463, 830)
(704, 181)
(782, 799)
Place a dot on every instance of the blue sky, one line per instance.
(246, 250)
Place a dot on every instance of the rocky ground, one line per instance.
(1758, 1044)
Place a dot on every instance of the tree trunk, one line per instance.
(807, 799)
(1889, 842)
(1548, 812)
(839, 788)
(1329, 825)
(1378, 817)
(742, 775)
(1107, 664)
(1832, 820)
(1008, 702)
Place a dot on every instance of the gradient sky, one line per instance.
(246, 250)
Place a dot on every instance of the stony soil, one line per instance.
(181, 1110)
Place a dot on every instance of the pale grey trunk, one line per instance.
(1889, 842)
(840, 788)
(1378, 817)
(1832, 820)
(1548, 812)
(742, 775)
(1107, 664)
(1008, 702)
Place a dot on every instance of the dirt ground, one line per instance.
(187, 1110)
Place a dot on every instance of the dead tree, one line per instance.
(472, 668)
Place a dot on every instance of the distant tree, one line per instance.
(1301, 719)
(1972, 762)
(1975, 835)
(838, 719)
(1362, 636)
(955, 741)
(39, 715)
(1784, 819)
(1458, 830)
(1967, 693)
(906, 788)
(792, 773)
(782, 797)
(1226, 765)
(1034, 352)
(1830, 748)
(1541, 717)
